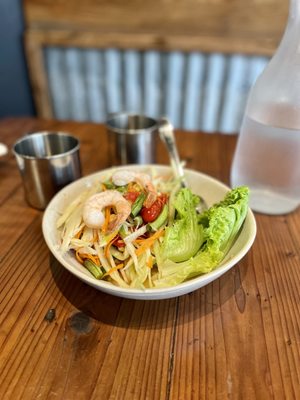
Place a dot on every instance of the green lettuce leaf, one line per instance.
(184, 237)
(221, 224)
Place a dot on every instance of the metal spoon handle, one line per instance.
(166, 132)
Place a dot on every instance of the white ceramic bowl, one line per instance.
(209, 188)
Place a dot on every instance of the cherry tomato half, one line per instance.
(131, 196)
(151, 213)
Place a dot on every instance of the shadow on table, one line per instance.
(151, 314)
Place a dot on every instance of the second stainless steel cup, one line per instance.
(132, 139)
(47, 162)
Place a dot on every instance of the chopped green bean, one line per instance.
(93, 268)
(109, 185)
(138, 204)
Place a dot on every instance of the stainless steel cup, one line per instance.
(132, 139)
(47, 161)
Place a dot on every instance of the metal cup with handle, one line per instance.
(47, 162)
(132, 138)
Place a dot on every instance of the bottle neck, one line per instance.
(275, 98)
(290, 43)
(294, 11)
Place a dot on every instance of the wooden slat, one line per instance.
(38, 77)
(148, 41)
(213, 23)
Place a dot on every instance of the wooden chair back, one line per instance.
(251, 28)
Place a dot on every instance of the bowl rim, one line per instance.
(140, 293)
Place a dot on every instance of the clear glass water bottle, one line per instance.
(267, 157)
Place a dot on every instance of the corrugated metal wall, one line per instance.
(196, 91)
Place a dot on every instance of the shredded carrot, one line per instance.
(106, 221)
(78, 256)
(149, 242)
(149, 262)
(79, 233)
(134, 187)
(130, 187)
(94, 259)
(140, 240)
(95, 236)
(107, 247)
(114, 269)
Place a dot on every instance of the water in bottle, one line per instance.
(267, 160)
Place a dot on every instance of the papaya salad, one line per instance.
(141, 230)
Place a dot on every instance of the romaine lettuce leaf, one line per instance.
(184, 237)
(221, 224)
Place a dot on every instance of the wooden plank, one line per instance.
(148, 41)
(38, 77)
(232, 21)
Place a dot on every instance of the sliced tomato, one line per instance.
(131, 196)
(118, 242)
(151, 213)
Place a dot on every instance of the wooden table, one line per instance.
(237, 338)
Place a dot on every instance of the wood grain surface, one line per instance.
(258, 24)
(236, 338)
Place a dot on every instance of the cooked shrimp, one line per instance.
(93, 216)
(123, 177)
